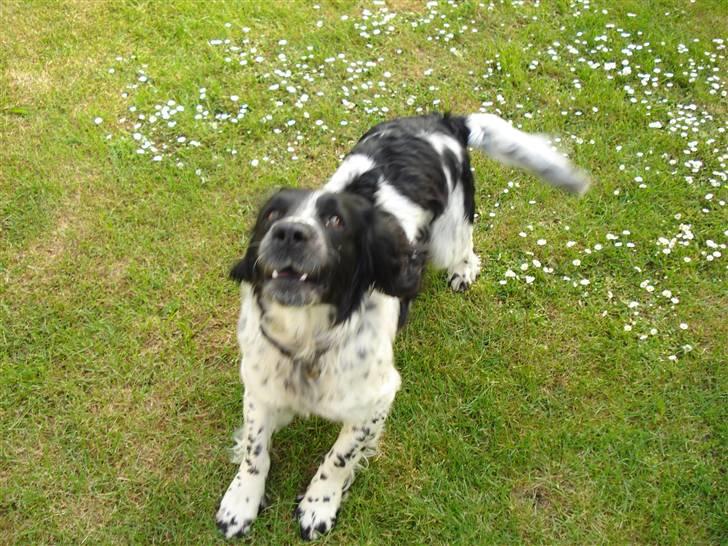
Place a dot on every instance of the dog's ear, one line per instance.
(396, 264)
(243, 270)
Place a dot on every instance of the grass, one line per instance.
(553, 411)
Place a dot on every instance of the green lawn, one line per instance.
(576, 394)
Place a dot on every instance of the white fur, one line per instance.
(411, 216)
(499, 139)
(352, 166)
(451, 243)
(300, 329)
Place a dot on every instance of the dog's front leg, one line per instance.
(319, 506)
(242, 500)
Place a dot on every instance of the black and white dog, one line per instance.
(327, 280)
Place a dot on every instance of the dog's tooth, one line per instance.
(304, 276)
(275, 273)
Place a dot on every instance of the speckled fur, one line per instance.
(354, 382)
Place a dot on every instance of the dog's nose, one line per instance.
(292, 233)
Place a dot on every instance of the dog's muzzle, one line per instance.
(292, 258)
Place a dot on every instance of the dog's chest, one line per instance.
(342, 372)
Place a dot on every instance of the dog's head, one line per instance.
(312, 247)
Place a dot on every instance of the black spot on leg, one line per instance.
(366, 435)
(323, 477)
(258, 449)
(223, 526)
(253, 470)
(340, 462)
(327, 499)
(322, 527)
(361, 353)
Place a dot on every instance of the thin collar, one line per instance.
(310, 366)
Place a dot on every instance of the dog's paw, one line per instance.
(230, 527)
(458, 283)
(465, 273)
(317, 511)
(239, 507)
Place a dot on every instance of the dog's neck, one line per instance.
(298, 332)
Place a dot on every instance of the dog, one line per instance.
(327, 281)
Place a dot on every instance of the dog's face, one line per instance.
(312, 247)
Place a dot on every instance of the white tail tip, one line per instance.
(503, 142)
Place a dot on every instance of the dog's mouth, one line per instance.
(292, 286)
(290, 274)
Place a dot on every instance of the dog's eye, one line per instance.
(334, 221)
(273, 215)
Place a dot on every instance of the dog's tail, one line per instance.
(503, 142)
